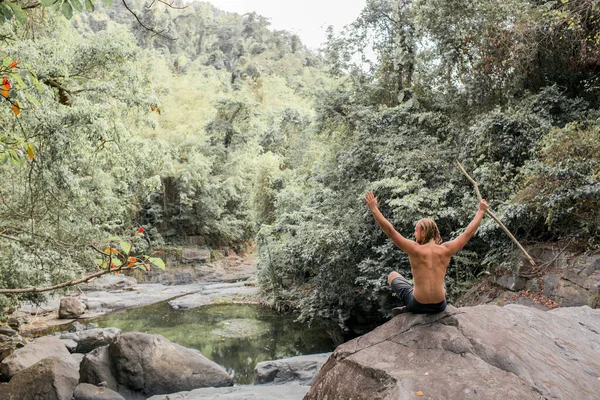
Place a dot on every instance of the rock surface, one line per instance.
(215, 293)
(90, 339)
(138, 365)
(301, 369)
(85, 391)
(52, 378)
(27, 356)
(483, 352)
(70, 307)
(243, 392)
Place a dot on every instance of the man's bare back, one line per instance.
(429, 257)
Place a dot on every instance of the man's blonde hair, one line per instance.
(430, 231)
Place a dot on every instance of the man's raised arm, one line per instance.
(455, 245)
(404, 244)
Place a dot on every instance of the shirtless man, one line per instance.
(428, 257)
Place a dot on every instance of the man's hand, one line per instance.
(371, 201)
(483, 206)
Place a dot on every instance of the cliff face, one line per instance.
(482, 352)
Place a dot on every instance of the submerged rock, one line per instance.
(511, 352)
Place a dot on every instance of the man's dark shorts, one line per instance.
(404, 290)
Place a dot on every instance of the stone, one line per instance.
(487, 352)
(5, 330)
(14, 323)
(242, 392)
(151, 364)
(85, 391)
(194, 255)
(27, 356)
(300, 369)
(108, 283)
(70, 307)
(76, 327)
(52, 378)
(95, 369)
(70, 344)
(88, 340)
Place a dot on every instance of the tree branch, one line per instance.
(124, 266)
(491, 214)
(142, 24)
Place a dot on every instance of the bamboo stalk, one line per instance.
(491, 214)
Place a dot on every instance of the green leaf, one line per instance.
(18, 11)
(108, 2)
(126, 246)
(77, 5)
(89, 5)
(67, 10)
(47, 3)
(142, 267)
(114, 239)
(8, 14)
(157, 261)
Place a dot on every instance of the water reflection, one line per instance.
(236, 336)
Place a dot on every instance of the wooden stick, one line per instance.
(491, 214)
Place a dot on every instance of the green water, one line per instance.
(235, 336)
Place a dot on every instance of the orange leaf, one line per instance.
(130, 264)
(141, 230)
(30, 153)
(419, 393)
(117, 272)
(16, 109)
(5, 81)
(14, 64)
(132, 259)
(5, 93)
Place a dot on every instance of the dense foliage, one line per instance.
(197, 122)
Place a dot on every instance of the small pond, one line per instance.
(235, 336)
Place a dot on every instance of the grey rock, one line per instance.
(109, 282)
(5, 330)
(483, 352)
(302, 369)
(76, 327)
(85, 391)
(88, 340)
(194, 255)
(243, 392)
(151, 364)
(95, 369)
(70, 307)
(94, 338)
(70, 344)
(52, 378)
(27, 356)
(14, 323)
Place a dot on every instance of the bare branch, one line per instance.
(491, 214)
(123, 267)
(142, 24)
(170, 5)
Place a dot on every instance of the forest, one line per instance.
(166, 121)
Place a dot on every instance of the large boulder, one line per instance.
(95, 368)
(301, 369)
(483, 352)
(150, 364)
(70, 307)
(52, 378)
(32, 353)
